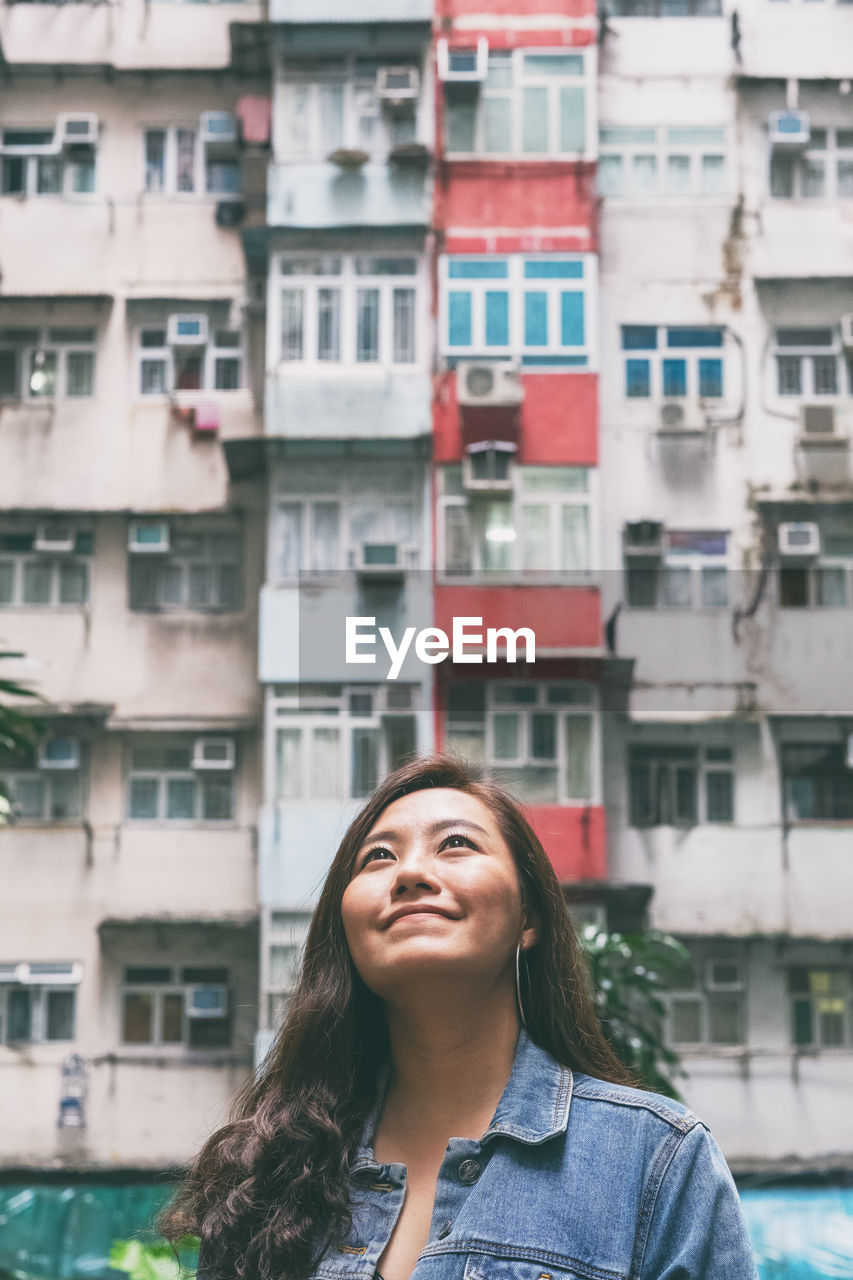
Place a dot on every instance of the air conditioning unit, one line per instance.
(799, 539)
(495, 384)
(817, 420)
(207, 1000)
(789, 129)
(213, 753)
(218, 127)
(398, 86)
(847, 331)
(723, 975)
(672, 416)
(230, 213)
(187, 330)
(148, 537)
(54, 972)
(77, 130)
(463, 65)
(55, 538)
(381, 558)
(487, 465)
(59, 753)
(643, 540)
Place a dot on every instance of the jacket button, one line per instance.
(445, 1230)
(469, 1171)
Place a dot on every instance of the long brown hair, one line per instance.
(269, 1190)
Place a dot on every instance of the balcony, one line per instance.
(342, 11)
(372, 405)
(803, 240)
(323, 196)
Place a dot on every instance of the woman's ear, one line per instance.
(529, 929)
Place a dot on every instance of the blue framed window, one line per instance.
(660, 372)
(540, 315)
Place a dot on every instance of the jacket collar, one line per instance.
(534, 1105)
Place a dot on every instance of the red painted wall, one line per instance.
(511, 8)
(552, 205)
(575, 839)
(559, 419)
(560, 617)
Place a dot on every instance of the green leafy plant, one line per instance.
(629, 973)
(155, 1259)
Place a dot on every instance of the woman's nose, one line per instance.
(414, 871)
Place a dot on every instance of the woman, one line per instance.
(441, 1095)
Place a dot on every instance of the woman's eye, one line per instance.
(457, 842)
(376, 855)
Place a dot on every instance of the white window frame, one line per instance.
(166, 354)
(359, 101)
(175, 559)
(289, 931)
(691, 357)
(311, 709)
(49, 779)
(518, 498)
(199, 778)
(587, 710)
(32, 154)
(662, 142)
(702, 767)
(39, 992)
(830, 155)
(46, 340)
(348, 281)
(703, 995)
(57, 563)
(806, 354)
(516, 285)
(170, 162)
(816, 1045)
(586, 82)
(174, 987)
(696, 562)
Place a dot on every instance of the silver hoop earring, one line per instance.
(518, 985)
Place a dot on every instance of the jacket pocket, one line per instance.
(484, 1266)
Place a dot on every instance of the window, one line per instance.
(822, 171)
(705, 1005)
(166, 784)
(185, 161)
(188, 1007)
(665, 8)
(817, 782)
(33, 165)
(203, 569)
(33, 578)
(692, 574)
(820, 1007)
(43, 364)
(536, 308)
(357, 310)
(542, 525)
(680, 785)
(825, 582)
(335, 742)
(540, 739)
(38, 1002)
(287, 934)
(214, 363)
(810, 363)
(331, 104)
(532, 104)
(40, 794)
(666, 161)
(675, 362)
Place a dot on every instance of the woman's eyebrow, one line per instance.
(434, 829)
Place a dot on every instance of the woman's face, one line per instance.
(434, 891)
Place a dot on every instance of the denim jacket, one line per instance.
(574, 1179)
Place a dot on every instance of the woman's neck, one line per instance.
(448, 1070)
